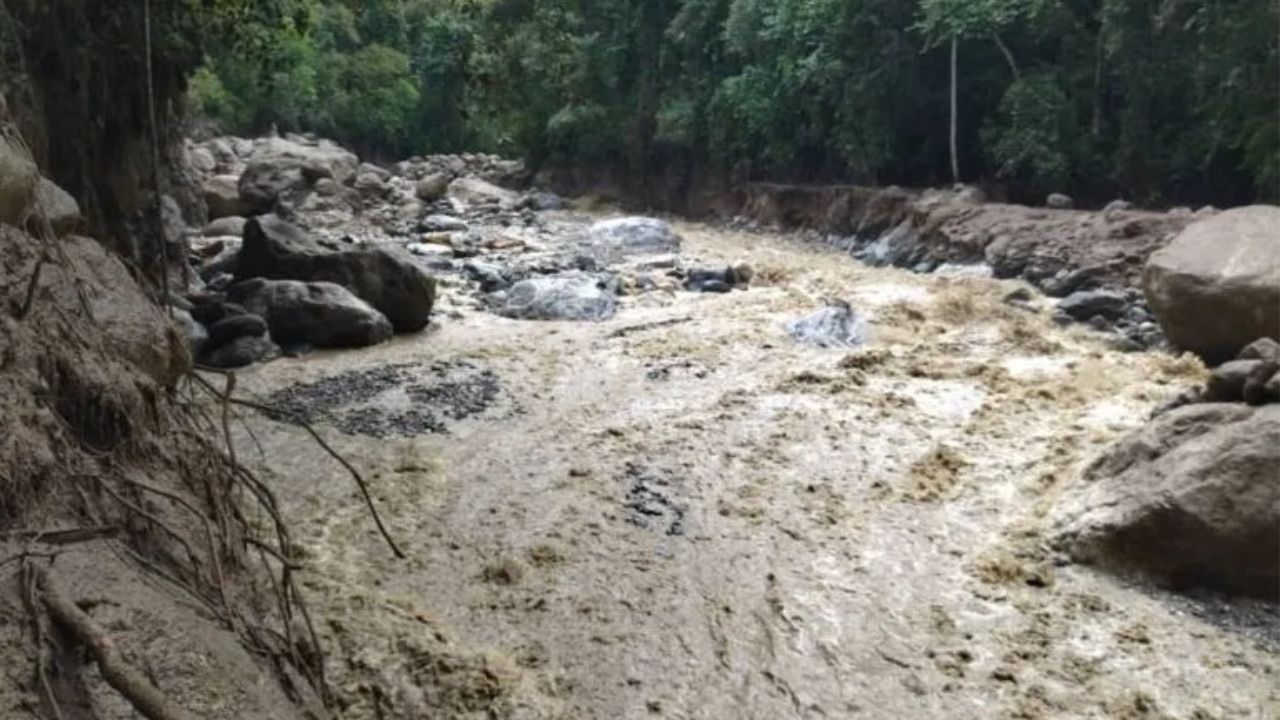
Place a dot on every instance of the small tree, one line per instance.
(955, 20)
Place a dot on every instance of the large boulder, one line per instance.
(222, 197)
(566, 297)
(58, 207)
(319, 159)
(18, 179)
(266, 182)
(1216, 287)
(1193, 499)
(472, 192)
(320, 314)
(387, 279)
(615, 240)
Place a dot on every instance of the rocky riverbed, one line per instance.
(682, 511)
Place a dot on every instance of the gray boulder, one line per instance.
(18, 180)
(222, 197)
(265, 183)
(472, 192)
(229, 226)
(386, 278)
(318, 314)
(432, 187)
(1088, 304)
(565, 297)
(1216, 287)
(610, 241)
(235, 326)
(1262, 349)
(315, 160)
(1191, 499)
(441, 223)
(57, 205)
(834, 326)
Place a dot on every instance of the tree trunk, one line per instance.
(955, 152)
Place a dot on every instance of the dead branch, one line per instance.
(127, 681)
(69, 536)
(624, 331)
(30, 298)
(40, 636)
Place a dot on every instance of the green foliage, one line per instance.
(1151, 99)
(1030, 137)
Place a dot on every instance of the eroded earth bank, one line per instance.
(674, 506)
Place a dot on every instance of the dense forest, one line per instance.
(1156, 101)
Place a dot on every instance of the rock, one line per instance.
(490, 277)
(611, 241)
(718, 280)
(318, 314)
(1255, 385)
(1271, 391)
(1066, 282)
(386, 278)
(432, 187)
(1216, 287)
(235, 326)
(441, 224)
(18, 180)
(1263, 349)
(57, 205)
(241, 352)
(263, 184)
(229, 226)
(565, 297)
(371, 186)
(201, 160)
(211, 308)
(222, 197)
(192, 332)
(1058, 201)
(834, 326)
(1191, 499)
(1018, 296)
(542, 201)
(1116, 206)
(473, 192)
(1082, 306)
(381, 173)
(314, 160)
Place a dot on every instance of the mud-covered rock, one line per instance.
(834, 326)
(1191, 499)
(566, 297)
(387, 279)
(432, 187)
(318, 314)
(1216, 287)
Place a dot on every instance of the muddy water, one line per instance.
(702, 519)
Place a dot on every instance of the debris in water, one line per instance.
(834, 326)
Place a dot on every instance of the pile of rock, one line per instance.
(1193, 499)
(282, 287)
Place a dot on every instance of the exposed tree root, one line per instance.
(121, 676)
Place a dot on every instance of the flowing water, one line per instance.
(682, 513)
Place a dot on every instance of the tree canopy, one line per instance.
(1158, 101)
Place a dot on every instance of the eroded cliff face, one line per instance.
(76, 80)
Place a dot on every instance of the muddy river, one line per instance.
(682, 513)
